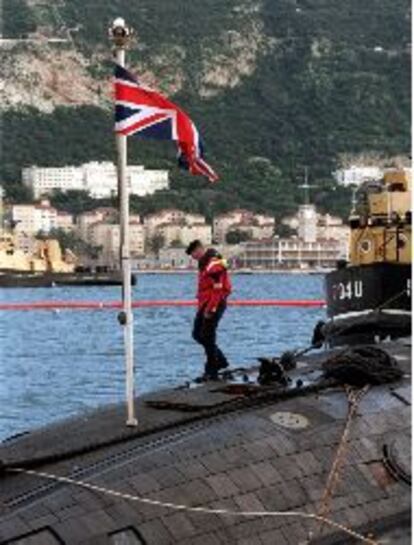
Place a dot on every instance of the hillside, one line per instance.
(273, 85)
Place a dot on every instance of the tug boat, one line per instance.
(370, 297)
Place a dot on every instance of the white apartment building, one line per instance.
(42, 181)
(258, 226)
(98, 179)
(32, 218)
(356, 174)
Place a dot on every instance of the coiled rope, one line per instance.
(361, 365)
(202, 510)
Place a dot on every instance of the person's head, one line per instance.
(195, 249)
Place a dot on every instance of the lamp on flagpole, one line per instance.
(120, 34)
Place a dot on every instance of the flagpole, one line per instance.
(120, 35)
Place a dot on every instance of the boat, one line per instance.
(47, 266)
(18, 279)
(370, 296)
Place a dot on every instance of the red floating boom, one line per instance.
(100, 305)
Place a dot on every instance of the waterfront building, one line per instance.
(290, 253)
(311, 226)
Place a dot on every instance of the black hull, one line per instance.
(367, 301)
(46, 280)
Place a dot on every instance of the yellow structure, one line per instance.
(381, 223)
(47, 256)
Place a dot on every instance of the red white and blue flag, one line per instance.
(139, 110)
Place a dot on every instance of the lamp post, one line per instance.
(120, 34)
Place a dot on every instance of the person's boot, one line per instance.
(210, 372)
(221, 360)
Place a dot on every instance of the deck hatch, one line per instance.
(126, 536)
(45, 536)
(293, 421)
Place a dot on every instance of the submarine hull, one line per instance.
(204, 459)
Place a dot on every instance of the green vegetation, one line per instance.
(236, 236)
(285, 231)
(18, 20)
(335, 79)
(155, 243)
(75, 201)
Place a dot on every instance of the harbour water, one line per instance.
(59, 363)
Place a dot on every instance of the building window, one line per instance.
(126, 536)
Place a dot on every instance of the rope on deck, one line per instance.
(201, 510)
(354, 397)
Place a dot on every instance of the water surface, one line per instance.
(55, 364)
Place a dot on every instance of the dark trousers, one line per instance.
(204, 332)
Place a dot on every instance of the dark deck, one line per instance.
(207, 447)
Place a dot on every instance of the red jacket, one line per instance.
(214, 285)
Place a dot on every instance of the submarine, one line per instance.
(309, 447)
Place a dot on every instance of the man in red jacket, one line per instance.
(214, 286)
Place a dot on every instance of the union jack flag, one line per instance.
(139, 110)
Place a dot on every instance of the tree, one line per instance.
(236, 236)
(285, 231)
(177, 243)
(18, 193)
(75, 201)
(18, 19)
(156, 242)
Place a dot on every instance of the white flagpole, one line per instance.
(120, 35)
